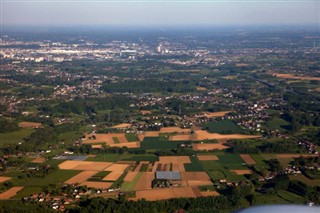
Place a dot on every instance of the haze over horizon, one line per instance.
(158, 13)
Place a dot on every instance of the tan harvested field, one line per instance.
(209, 193)
(208, 146)
(161, 194)
(97, 146)
(195, 176)
(317, 90)
(242, 172)
(4, 179)
(248, 159)
(97, 184)
(105, 138)
(130, 176)
(81, 177)
(174, 159)
(181, 137)
(174, 130)
(10, 192)
(207, 157)
(84, 165)
(201, 89)
(123, 125)
(216, 114)
(291, 76)
(117, 167)
(145, 112)
(26, 124)
(204, 135)
(39, 160)
(113, 176)
(145, 181)
(295, 155)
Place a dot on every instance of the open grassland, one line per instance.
(14, 137)
(278, 123)
(27, 191)
(228, 159)
(310, 182)
(224, 127)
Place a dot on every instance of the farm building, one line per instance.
(163, 175)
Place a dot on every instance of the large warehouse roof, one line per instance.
(168, 175)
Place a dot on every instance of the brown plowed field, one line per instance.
(196, 191)
(97, 184)
(208, 146)
(10, 192)
(3, 179)
(178, 167)
(129, 162)
(195, 176)
(174, 159)
(161, 194)
(117, 167)
(122, 139)
(130, 176)
(26, 124)
(104, 138)
(207, 157)
(155, 166)
(84, 165)
(97, 146)
(137, 169)
(145, 181)
(242, 172)
(248, 159)
(113, 176)
(81, 177)
(148, 134)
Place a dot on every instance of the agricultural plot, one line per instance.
(224, 127)
(161, 194)
(151, 143)
(278, 123)
(207, 157)
(84, 165)
(131, 137)
(242, 172)
(4, 179)
(145, 181)
(195, 165)
(216, 114)
(112, 176)
(208, 146)
(26, 124)
(130, 181)
(248, 159)
(15, 136)
(196, 178)
(174, 159)
(10, 192)
(81, 177)
(97, 185)
(228, 159)
(117, 167)
(204, 135)
(258, 159)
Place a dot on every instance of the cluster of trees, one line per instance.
(8, 126)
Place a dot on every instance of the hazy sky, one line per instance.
(157, 12)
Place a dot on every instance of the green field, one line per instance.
(228, 159)
(258, 158)
(55, 177)
(277, 123)
(144, 167)
(27, 191)
(223, 127)
(306, 180)
(194, 166)
(129, 186)
(119, 182)
(14, 137)
(291, 197)
(115, 140)
(131, 137)
(153, 143)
